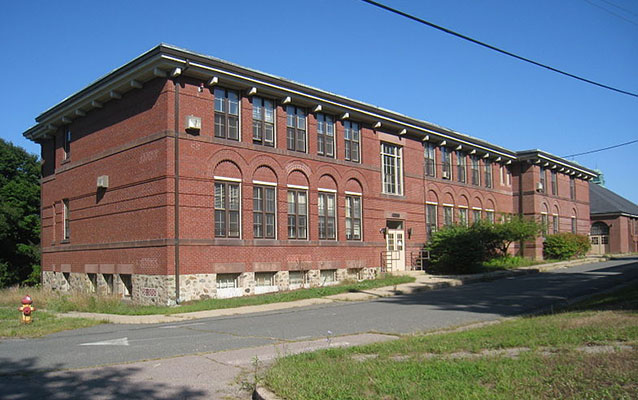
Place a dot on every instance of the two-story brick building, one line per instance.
(181, 176)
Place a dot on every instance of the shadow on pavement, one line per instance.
(21, 380)
(520, 294)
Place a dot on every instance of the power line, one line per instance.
(489, 46)
(619, 7)
(604, 148)
(611, 12)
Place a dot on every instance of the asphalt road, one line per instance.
(116, 344)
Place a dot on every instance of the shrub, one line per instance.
(563, 246)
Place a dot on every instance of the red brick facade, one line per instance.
(131, 227)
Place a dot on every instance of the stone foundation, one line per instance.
(160, 289)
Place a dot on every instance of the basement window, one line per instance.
(328, 276)
(127, 281)
(227, 281)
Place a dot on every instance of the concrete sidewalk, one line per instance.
(423, 282)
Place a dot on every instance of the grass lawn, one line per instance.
(43, 324)
(588, 351)
(113, 305)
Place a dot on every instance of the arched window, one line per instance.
(599, 228)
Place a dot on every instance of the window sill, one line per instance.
(65, 161)
(65, 241)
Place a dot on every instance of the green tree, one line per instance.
(516, 229)
(19, 216)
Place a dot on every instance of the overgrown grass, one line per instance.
(43, 323)
(511, 262)
(112, 305)
(450, 365)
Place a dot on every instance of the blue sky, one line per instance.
(53, 49)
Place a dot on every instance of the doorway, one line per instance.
(395, 246)
(599, 238)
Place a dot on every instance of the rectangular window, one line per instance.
(461, 167)
(490, 216)
(297, 278)
(392, 168)
(554, 223)
(508, 176)
(448, 212)
(501, 174)
(476, 215)
(67, 143)
(297, 214)
(227, 281)
(430, 219)
(325, 135)
(296, 128)
(93, 281)
(353, 217)
(476, 175)
(572, 188)
(226, 209)
(542, 180)
(488, 173)
(327, 216)
(447, 163)
(264, 212)
(544, 223)
(554, 183)
(463, 216)
(67, 218)
(430, 160)
(264, 279)
(328, 276)
(352, 136)
(263, 121)
(226, 113)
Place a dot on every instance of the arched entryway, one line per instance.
(599, 238)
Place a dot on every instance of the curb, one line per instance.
(440, 282)
(261, 393)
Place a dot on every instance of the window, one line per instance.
(325, 135)
(476, 176)
(328, 276)
(448, 218)
(226, 113)
(226, 209)
(352, 137)
(264, 279)
(297, 214)
(554, 223)
(353, 217)
(542, 180)
(430, 160)
(108, 279)
(93, 281)
(430, 219)
(544, 223)
(509, 176)
(488, 173)
(297, 278)
(572, 188)
(490, 215)
(554, 183)
(67, 143)
(327, 211)
(296, 128)
(227, 281)
(447, 163)
(501, 174)
(463, 216)
(66, 234)
(573, 224)
(263, 121)
(264, 212)
(476, 215)
(391, 161)
(461, 166)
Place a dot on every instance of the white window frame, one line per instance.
(222, 179)
(265, 185)
(327, 192)
(396, 162)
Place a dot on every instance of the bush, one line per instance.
(563, 246)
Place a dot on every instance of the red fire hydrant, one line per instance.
(27, 309)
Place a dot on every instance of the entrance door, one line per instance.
(395, 250)
(599, 238)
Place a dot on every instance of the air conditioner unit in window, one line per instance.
(193, 123)
(103, 182)
(539, 187)
(446, 175)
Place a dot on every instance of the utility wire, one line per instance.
(611, 12)
(489, 46)
(619, 7)
(603, 149)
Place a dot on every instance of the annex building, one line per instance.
(180, 176)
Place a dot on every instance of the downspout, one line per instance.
(176, 212)
(521, 214)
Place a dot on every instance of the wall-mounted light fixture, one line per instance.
(383, 231)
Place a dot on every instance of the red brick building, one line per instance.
(614, 222)
(180, 176)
